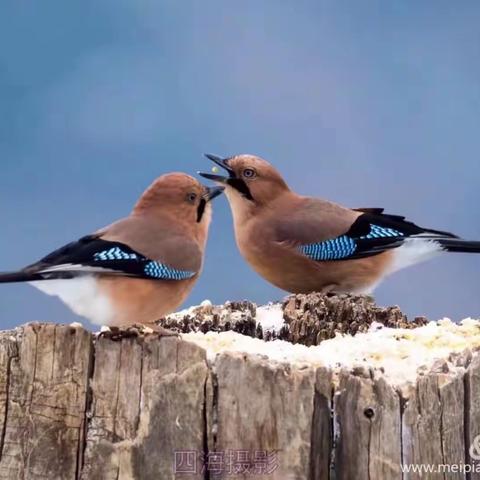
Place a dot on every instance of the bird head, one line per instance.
(251, 181)
(181, 196)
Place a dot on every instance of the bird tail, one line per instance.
(459, 245)
(15, 277)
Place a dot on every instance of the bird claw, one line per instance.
(115, 333)
(161, 331)
(135, 330)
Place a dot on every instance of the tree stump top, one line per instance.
(335, 332)
(280, 392)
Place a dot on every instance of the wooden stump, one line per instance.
(75, 406)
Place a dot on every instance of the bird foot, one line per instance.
(329, 290)
(135, 330)
(159, 330)
(116, 333)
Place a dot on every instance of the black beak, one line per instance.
(221, 162)
(212, 192)
(208, 196)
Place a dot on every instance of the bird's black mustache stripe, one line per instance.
(239, 185)
(201, 209)
(208, 196)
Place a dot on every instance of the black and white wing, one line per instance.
(92, 254)
(375, 232)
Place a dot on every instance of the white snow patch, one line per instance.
(399, 353)
(191, 311)
(270, 317)
(375, 326)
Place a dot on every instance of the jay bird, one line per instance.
(141, 267)
(304, 244)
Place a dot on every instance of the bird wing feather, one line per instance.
(157, 239)
(166, 255)
(326, 231)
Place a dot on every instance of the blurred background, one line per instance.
(371, 104)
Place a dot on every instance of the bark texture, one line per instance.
(134, 406)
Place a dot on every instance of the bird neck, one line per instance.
(244, 211)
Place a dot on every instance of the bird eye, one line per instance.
(191, 197)
(249, 173)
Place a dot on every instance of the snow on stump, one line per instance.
(320, 387)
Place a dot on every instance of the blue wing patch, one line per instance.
(150, 268)
(159, 270)
(345, 246)
(114, 253)
(382, 232)
(334, 249)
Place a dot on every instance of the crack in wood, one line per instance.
(205, 426)
(402, 404)
(440, 426)
(11, 357)
(82, 440)
(466, 421)
(140, 389)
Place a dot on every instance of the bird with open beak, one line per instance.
(138, 269)
(303, 244)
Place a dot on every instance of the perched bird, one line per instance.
(304, 244)
(139, 268)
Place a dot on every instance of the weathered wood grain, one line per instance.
(367, 422)
(148, 401)
(472, 413)
(452, 401)
(74, 406)
(45, 406)
(314, 317)
(281, 422)
(322, 426)
(433, 426)
(421, 427)
(8, 351)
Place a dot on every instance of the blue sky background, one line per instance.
(367, 103)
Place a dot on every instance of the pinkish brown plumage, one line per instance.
(139, 268)
(304, 244)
